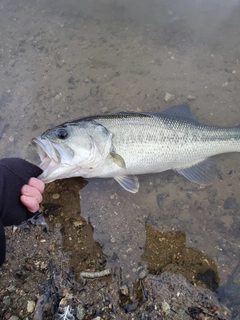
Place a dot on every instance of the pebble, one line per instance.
(191, 98)
(64, 301)
(230, 203)
(7, 301)
(169, 97)
(104, 109)
(131, 306)
(165, 307)
(161, 197)
(86, 80)
(30, 306)
(124, 290)
(80, 312)
(113, 240)
(13, 318)
(56, 196)
(77, 224)
(11, 288)
(58, 96)
(143, 274)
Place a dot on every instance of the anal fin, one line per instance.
(201, 173)
(129, 183)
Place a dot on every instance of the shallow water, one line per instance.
(65, 59)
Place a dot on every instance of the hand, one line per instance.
(14, 174)
(31, 194)
(20, 194)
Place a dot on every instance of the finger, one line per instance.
(36, 183)
(31, 203)
(31, 192)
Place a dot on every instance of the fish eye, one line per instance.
(62, 134)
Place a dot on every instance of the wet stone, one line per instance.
(56, 196)
(30, 306)
(80, 312)
(191, 98)
(131, 307)
(161, 197)
(104, 109)
(165, 307)
(124, 290)
(169, 97)
(230, 203)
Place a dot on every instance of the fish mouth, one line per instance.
(52, 163)
(46, 152)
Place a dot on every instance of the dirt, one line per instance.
(63, 60)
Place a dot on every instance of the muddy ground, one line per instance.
(66, 59)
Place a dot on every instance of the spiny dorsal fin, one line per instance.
(181, 111)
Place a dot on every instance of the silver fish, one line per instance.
(126, 144)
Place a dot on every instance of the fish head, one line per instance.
(72, 149)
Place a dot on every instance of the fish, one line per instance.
(125, 144)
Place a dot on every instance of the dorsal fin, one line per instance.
(181, 111)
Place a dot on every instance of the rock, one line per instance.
(77, 223)
(161, 197)
(191, 98)
(124, 290)
(64, 301)
(169, 97)
(230, 203)
(80, 312)
(58, 96)
(143, 273)
(56, 196)
(104, 109)
(131, 306)
(7, 301)
(30, 306)
(182, 296)
(165, 307)
(13, 318)
(113, 240)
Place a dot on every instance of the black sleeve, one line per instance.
(2, 244)
(14, 173)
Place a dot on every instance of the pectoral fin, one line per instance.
(118, 160)
(129, 183)
(201, 173)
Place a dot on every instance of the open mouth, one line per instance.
(44, 152)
